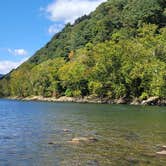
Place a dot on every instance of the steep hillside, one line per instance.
(118, 51)
(100, 24)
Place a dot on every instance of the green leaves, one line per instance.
(119, 50)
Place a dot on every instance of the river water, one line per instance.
(127, 135)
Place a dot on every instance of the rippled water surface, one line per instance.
(127, 135)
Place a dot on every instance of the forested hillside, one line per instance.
(118, 51)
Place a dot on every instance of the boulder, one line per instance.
(121, 101)
(66, 99)
(136, 101)
(150, 101)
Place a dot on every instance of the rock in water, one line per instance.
(164, 147)
(163, 153)
(83, 139)
(92, 139)
(51, 143)
(79, 139)
(66, 130)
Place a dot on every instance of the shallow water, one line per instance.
(127, 135)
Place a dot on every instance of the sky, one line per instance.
(27, 25)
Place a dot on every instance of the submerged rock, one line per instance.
(163, 153)
(132, 160)
(93, 139)
(164, 147)
(93, 163)
(66, 130)
(52, 143)
(83, 139)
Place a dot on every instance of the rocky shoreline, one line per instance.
(88, 99)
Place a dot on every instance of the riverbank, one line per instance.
(89, 99)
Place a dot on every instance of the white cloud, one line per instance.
(69, 10)
(7, 66)
(55, 28)
(17, 51)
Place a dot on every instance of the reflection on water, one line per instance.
(127, 135)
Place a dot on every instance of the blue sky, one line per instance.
(27, 25)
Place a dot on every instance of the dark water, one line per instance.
(127, 135)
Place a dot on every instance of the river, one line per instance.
(126, 135)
